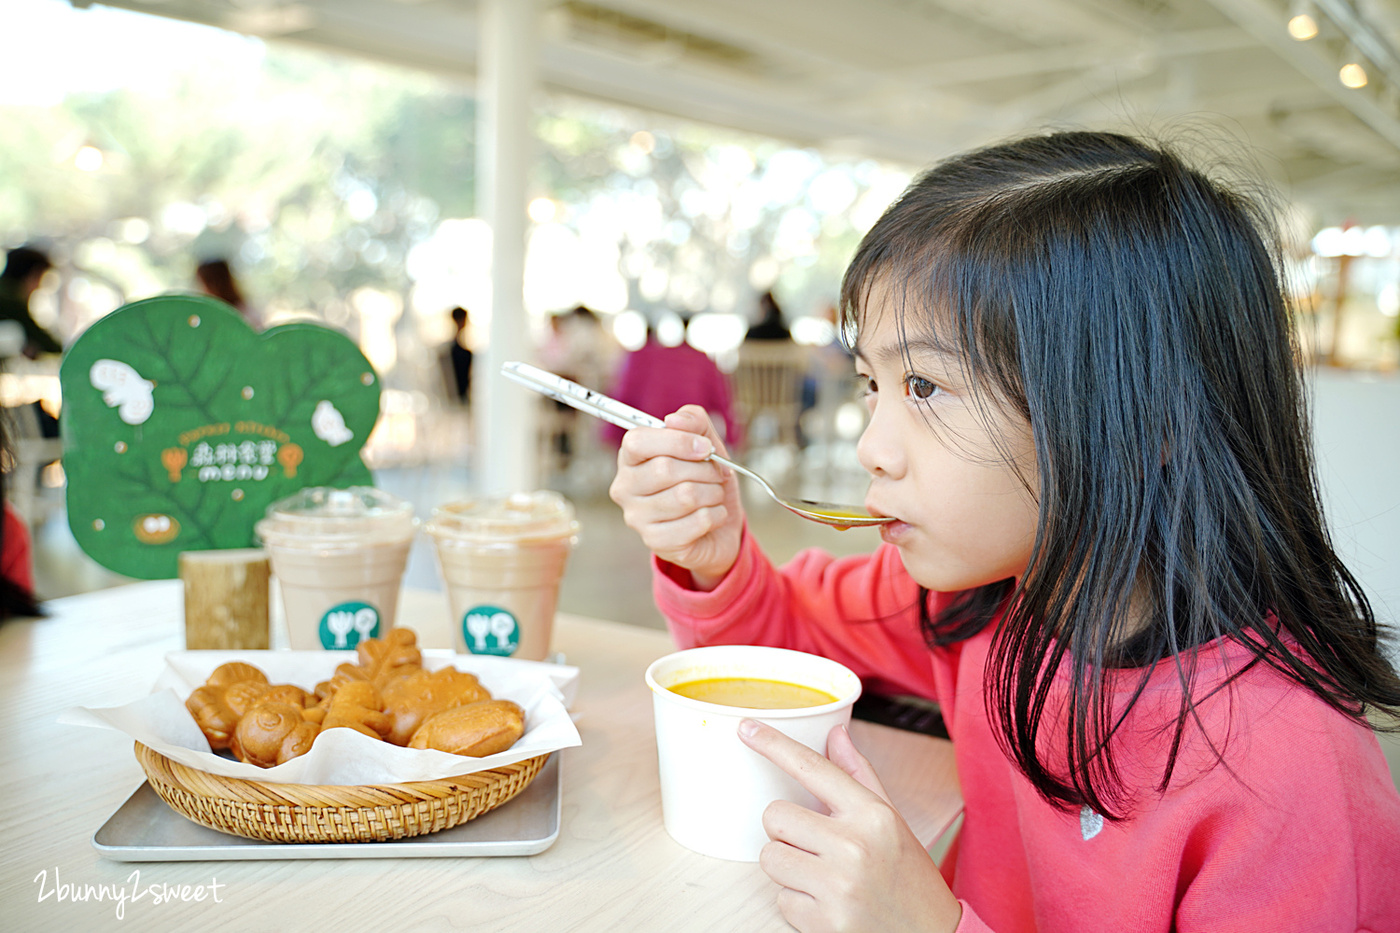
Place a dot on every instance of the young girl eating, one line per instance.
(1106, 562)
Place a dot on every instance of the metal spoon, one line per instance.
(625, 416)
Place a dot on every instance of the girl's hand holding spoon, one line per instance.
(684, 506)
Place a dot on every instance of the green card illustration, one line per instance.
(181, 424)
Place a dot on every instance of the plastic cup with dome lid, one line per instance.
(502, 559)
(339, 557)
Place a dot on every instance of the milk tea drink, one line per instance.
(502, 559)
(339, 556)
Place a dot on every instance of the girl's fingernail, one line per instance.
(702, 447)
(747, 727)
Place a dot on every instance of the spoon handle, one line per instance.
(585, 400)
(625, 416)
(595, 403)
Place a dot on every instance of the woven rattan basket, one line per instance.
(330, 813)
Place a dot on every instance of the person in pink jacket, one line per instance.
(657, 379)
(1106, 560)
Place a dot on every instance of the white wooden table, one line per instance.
(613, 867)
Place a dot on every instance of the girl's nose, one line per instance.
(879, 449)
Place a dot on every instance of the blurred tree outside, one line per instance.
(343, 190)
(311, 174)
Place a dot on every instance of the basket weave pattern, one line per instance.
(331, 813)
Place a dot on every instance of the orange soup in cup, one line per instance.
(752, 693)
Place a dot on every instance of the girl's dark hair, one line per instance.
(1131, 310)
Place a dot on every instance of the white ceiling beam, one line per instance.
(802, 90)
(828, 80)
(1031, 62)
(1364, 36)
(445, 40)
(1108, 62)
(1266, 22)
(588, 71)
(1053, 100)
(1049, 22)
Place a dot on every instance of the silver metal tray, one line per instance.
(144, 829)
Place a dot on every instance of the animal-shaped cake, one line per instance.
(386, 695)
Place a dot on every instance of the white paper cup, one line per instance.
(714, 788)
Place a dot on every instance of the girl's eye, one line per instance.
(920, 388)
(865, 386)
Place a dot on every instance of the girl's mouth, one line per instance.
(893, 532)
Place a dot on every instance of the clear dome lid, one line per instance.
(324, 516)
(521, 516)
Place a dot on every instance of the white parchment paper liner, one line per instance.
(341, 756)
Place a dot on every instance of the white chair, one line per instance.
(768, 392)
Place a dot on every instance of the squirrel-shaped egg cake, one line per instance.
(386, 695)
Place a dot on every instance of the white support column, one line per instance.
(506, 455)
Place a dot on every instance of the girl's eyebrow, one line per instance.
(892, 352)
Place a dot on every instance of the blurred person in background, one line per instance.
(579, 348)
(457, 356)
(216, 279)
(24, 270)
(659, 379)
(16, 552)
(828, 382)
(25, 267)
(770, 324)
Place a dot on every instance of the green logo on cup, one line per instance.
(348, 624)
(490, 630)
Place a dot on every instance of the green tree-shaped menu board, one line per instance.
(181, 424)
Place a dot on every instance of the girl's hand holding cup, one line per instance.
(685, 508)
(859, 866)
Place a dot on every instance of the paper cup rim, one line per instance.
(744, 712)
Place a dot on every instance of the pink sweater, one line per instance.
(1300, 830)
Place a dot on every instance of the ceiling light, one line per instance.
(1302, 27)
(1302, 22)
(1352, 74)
